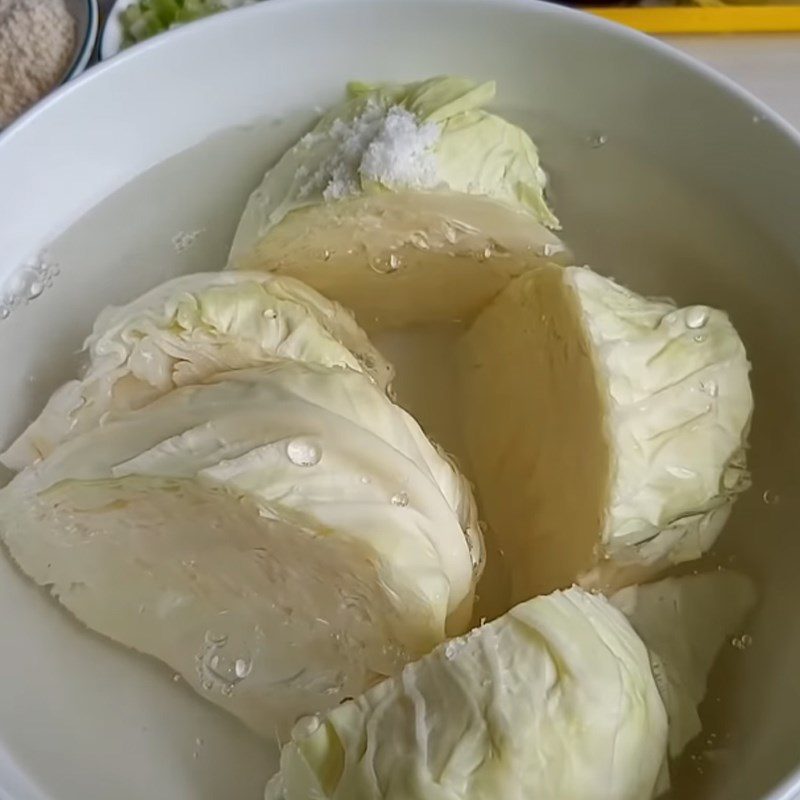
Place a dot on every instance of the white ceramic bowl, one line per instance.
(111, 36)
(693, 194)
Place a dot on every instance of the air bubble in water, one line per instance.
(218, 670)
(597, 140)
(303, 452)
(26, 284)
(383, 265)
(212, 638)
(400, 499)
(770, 498)
(183, 241)
(242, 668)
(550, 249)
(742, 642)
(419, 240)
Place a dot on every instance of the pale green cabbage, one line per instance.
(619, 419)
(186, 330)
(554, 700)
(292, 511)
(407, 203)
(684, 622)
(679, 407)
(434, 135)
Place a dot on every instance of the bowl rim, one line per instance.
(607, 27)
(788, 788)
(84, 52)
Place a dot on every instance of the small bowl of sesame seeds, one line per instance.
(43, 43)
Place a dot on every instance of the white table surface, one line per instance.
(766, 65)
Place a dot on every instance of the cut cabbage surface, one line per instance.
(186, 330)
(684, 622)
(289, 519)
(590, 409)
(398, 259)
(553, 700)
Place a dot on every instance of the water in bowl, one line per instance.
(666, 235)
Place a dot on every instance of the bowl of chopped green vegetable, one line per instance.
(133, 21)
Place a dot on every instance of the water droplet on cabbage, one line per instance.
(400, 499)
(709, 387)
(304, 452)
(696, 317)
(305, 727)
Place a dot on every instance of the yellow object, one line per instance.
(720, 19)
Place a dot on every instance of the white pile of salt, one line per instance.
(388, 146)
